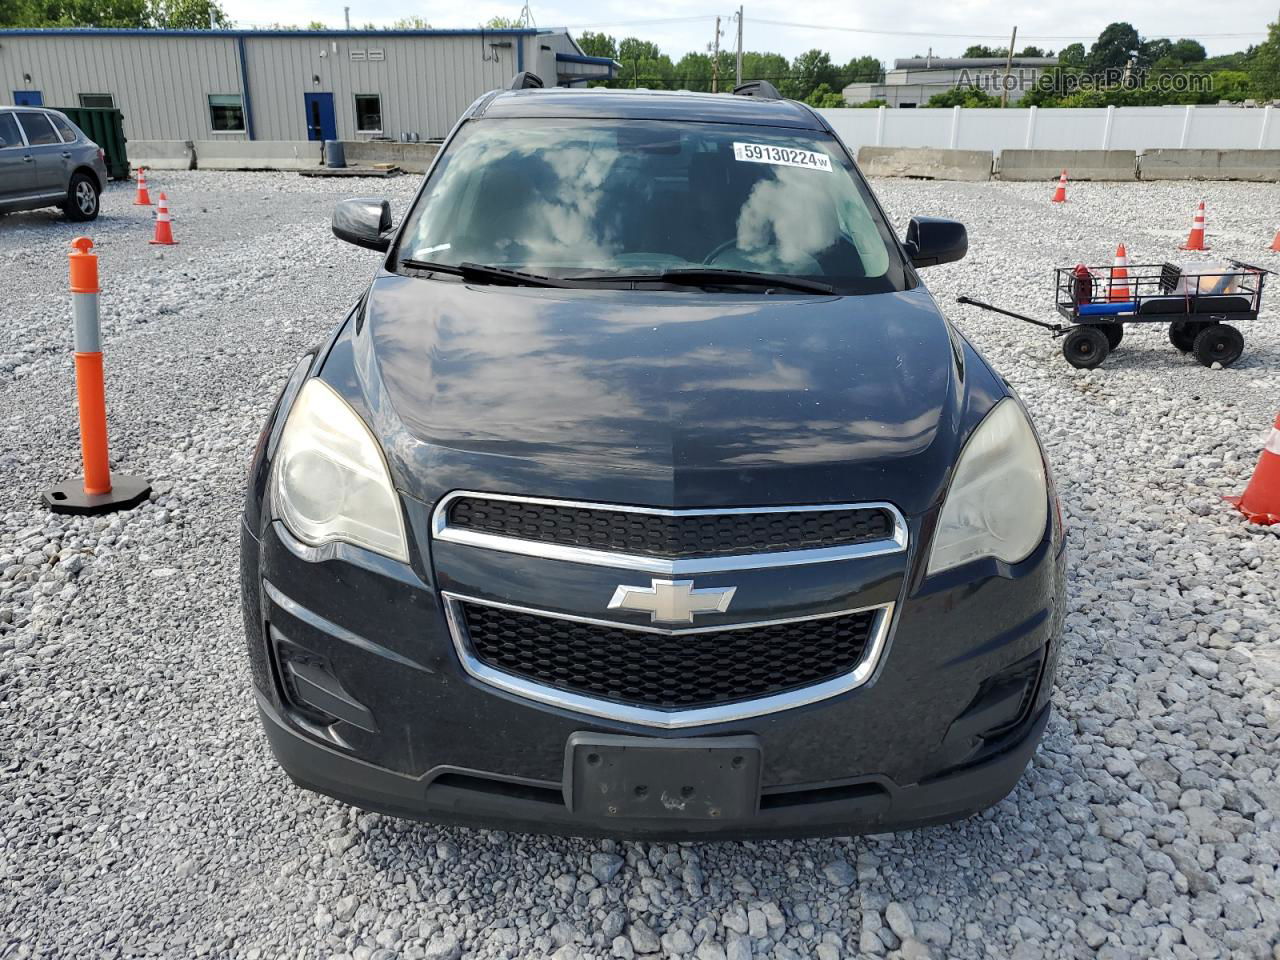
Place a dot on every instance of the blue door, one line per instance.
(320, 123)
(28, 98)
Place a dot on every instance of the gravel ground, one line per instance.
(142, 814)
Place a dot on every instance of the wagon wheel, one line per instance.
(1114, 332)
(1219, 343)
(1085, 347)
(1182, 333)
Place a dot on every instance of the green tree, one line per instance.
(1264, 65)
(633, 48)
(1188, 51)
(598, 44)
(1114, 47)
(410, 23)
(1072, 55)
(981, 50)
(693, 72)
(764, 66)
(824, 96)
(502, 23)
(811, 68)
(74, 13)
(1032, 52)
(963, 97)
(187, 15)
(861, 70)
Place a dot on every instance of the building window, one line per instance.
(368, 113)
(226, 113)
(97, 100)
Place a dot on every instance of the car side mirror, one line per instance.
(934, 240)
(364, 221)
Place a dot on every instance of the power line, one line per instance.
(994, 36)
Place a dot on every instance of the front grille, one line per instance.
(667, 671)
(672, 536)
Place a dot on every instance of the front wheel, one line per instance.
(1085, 347)
(82, 198)
(1219, 343)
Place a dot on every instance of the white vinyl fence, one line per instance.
(1059, 128)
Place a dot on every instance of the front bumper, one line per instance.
(900, 751)
(872, 805)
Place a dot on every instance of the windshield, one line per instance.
(576, 198)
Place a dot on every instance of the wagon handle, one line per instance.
(1057, 328)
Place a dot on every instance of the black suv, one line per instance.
(646, 492)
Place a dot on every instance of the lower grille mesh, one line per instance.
(672, 672)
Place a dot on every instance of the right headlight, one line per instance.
(329, 479)
(998, 503)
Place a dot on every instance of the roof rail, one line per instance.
(525, 81)
(761, 89)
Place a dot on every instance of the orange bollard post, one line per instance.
(98, 491)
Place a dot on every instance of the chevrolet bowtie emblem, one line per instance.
(672, 601)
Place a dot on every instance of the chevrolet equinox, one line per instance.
(646, 492)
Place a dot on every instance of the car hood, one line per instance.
(664, 398)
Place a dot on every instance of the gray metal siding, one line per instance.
(161, 84)
(162, 81)
(425, 82)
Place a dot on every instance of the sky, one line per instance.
(834, 25)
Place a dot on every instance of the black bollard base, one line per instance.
(69, 496)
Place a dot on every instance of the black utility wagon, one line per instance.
(1200, 305)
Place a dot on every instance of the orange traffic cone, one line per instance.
(1195, 239)
(1275, 244)
(144, 198)
(1060, 195)
(1260, 501)
(1119, 287)
(164, 229)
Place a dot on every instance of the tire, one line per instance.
(1085, 347)
(1114, 332)
(1182, 333)
(1218, 343)
(83, 198)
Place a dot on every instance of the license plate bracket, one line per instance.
(616, 777)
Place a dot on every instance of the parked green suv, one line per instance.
(47, 161)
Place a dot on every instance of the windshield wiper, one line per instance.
(485, 273)
(710, 277)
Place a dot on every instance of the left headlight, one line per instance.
(329, 479)
(998, 503)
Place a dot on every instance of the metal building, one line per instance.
(914, 80)
(282, 84)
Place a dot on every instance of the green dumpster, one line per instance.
(105, 127)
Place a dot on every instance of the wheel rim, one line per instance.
(85, 198)
(1084, 348)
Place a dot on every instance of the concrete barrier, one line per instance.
(1261, 165)
(411, 157)
(1079, 164)
(257, 154)
(162, 154)
(926, 163)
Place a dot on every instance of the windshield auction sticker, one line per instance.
(786, 156)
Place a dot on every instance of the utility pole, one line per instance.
(737, 78)
(715, 60)
(346, 12)
(1008, 65)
